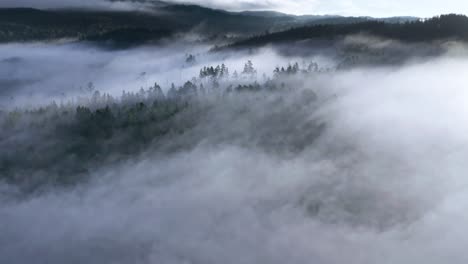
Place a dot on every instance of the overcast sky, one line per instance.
(423, 8)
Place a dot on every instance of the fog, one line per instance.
(32, 74)
(38, 72)
(371, 171)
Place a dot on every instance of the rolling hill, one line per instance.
(160, 21)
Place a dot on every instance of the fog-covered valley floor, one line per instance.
(330, 160)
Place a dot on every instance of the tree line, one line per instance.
(65, 141)
(442, 27)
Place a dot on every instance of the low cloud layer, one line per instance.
(380, 8)
(27, 80)
(384, 182)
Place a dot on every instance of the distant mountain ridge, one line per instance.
(444, 27)
(160, 20)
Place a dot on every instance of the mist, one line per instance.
(29, 71)
(356, 164)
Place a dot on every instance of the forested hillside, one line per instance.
(142, 26)
(454, 27)
(72, 138)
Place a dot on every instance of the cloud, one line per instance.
(379, 8)
(386, 179)
(245, 182)
(28, 80)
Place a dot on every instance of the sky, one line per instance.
(377, 8)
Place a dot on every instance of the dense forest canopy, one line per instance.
(97, 128)
(437, 28)
(138, 27)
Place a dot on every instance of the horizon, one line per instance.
(360, 8)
